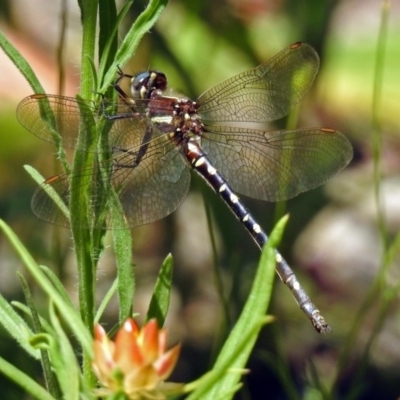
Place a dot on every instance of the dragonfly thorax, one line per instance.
(188, 119)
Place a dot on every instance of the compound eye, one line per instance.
(139, 85)
(159, 81)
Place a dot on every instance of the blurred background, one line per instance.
(332, 240)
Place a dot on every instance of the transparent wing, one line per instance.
(156, 187)
(265, 93)
(276, 165)
(148, 190)
(51, 208)
(50, 117)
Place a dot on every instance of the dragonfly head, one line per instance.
(148, 85)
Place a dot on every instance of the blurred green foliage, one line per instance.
(198, 44)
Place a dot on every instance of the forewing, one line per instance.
(265, 93)
(50, 117)
(276, 165)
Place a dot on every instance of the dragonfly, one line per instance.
(156, 138)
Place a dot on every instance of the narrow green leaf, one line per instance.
(224, 371)
(87, 246)
(29, 301)
(49, 377)
(123, 253)
(24, 381)
(121, 233)
(140, 27)
(106, 299)
(16, 327)
(108, 54)
(89, 21)
(93, 75)
(107, 27)
(58, 285)
(70, 316)
(23, 308)
(159, 303)
(81, 215)
(244, 334)
(64, 361)
(20, 62)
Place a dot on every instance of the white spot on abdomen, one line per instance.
(211, 170)
(199, 162)
(234, 198)
(256, 228)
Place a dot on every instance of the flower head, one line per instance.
(137, 362)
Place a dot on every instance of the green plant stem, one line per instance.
(61, 47)
(83, 239)
(89, 18)
(217, 275)
(377, 290)
(226, 321)
(376, 128)
(50, 380)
